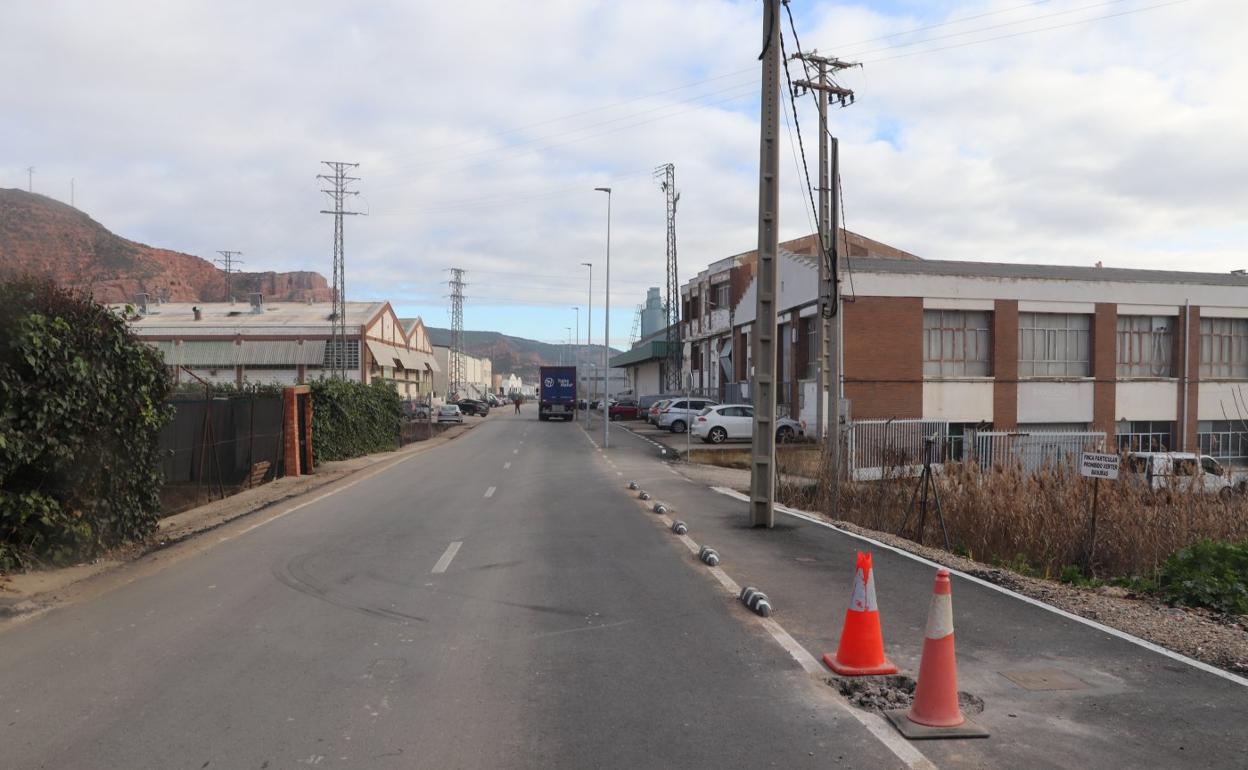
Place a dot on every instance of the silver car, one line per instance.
(450, 413)
(678, 413)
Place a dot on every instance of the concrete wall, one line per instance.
(958, 400)
(1046, 401)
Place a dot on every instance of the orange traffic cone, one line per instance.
(935, 712)
(861, 651)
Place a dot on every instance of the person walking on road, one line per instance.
(516, 401)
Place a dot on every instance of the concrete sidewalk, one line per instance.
(1089, 698)
(27, 592)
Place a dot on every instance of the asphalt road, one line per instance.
(1057, 693)
(497, 602)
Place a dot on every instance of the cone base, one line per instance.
(917, 732)
(886, 667)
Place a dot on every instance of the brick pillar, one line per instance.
(1187, 441)
(1005, 364)
(307, 429)
(290, 432)
(1105, 368)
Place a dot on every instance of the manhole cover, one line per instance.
(1045, 679)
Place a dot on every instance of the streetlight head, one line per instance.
(607, 190)
(588, 264)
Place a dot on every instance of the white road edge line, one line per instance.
(1001, 589)
(490, 492)
(875, 723)
(445, 561)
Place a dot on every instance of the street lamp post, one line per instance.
(576, 343)
(606, 335)
(589, 321)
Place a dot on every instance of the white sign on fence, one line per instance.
(1097, 465)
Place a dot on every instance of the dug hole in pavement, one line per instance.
(1054, 692)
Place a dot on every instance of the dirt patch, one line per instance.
(883, 693)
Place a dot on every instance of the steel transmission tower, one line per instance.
(228, 261)
(338, 192)
(675, 356)
(455, 377)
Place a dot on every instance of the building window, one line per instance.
(1224, 440)
(1145, 345)
(1224, 348)
(1145, 436)
(333, 358)
(684, 308)
(957, 343)
(719, 296)
(695, 356)
(811, 331)
(1054, 345)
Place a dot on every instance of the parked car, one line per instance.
(733, 422)
(625, 409)
(678, 413)
(1185, 471)
(645, 402)
(450, 413)
(652, 415)
(473, 406)
(413, 410)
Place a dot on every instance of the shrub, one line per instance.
(1207, 574)
(81, 404)
(350, 419)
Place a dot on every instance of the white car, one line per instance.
(450, 413)
(727, 422)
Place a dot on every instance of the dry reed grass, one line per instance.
(1038, 522)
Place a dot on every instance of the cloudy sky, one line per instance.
(1067, 131)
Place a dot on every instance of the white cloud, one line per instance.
(199, 126)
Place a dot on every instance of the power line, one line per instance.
(750, 87)
(1027, 32)
(601, 108)
(950, 22)
(1003, 25)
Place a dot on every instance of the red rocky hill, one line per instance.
(44, 237)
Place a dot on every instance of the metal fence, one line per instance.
(877, 448)
(1033, 450)
(213, 446)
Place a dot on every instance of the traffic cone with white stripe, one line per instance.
(935, 712)
(861, 651)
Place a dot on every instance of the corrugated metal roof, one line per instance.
(1043, 272)
(654, 350)
(411, 359)
(219, 317)
(208, 353)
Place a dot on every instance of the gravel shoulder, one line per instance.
(1218, 640)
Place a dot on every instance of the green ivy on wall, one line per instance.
(81, 404)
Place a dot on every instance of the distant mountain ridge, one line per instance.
(519, 355)
(43, 237)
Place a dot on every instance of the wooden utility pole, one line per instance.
(763, 385)
(828, 388)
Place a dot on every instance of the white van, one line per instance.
(1181, 471)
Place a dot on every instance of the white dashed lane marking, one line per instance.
(445, 561)
(490, 492)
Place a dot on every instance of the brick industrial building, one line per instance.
(1155, 358)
